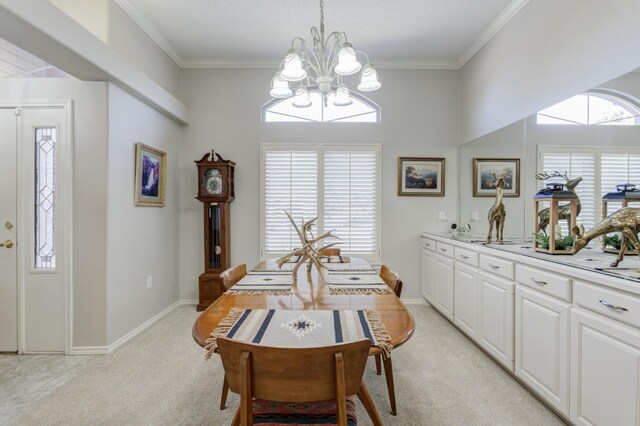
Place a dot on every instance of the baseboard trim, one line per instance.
(413, 301)
(104, 350)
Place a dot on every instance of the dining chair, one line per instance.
(297, 385)
(393, 281)
(332, 251)
(228, 278)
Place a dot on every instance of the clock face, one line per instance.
(213, 182)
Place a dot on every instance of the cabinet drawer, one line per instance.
(429, 244)
(444, 249)
(500, 267)
(553, 284)
(608, 302)
(467, 256)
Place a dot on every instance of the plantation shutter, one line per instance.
(350, 198)
(619, 168)
(580, 163)
(290, 184)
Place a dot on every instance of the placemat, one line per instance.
(356, 283)
(301, 328)
(272, 284)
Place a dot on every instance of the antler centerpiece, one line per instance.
(308, 251)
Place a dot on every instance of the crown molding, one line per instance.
(274, 65)
(151, 31)
(496, 25)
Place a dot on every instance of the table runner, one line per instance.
(271, 284)
(301, 328)
(356, 283)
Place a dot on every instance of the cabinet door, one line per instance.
(428, 276)
(605, 371)
(542, 345)
(495, 327)
(466, 299)
(444, 286)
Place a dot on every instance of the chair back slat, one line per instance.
(230, 276)
(294, 374)
(392, 279)
(333, 251)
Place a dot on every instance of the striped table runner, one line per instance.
(356, 283)
(266, 283)
(295, 328)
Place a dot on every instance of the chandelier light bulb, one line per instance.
(369, 79)
(301, 99)
(347, 62)
(343, 97)
(280, 87)
(293, 70)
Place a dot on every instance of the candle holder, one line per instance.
(625, 195)
(559, 203)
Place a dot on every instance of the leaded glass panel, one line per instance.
(45, 191)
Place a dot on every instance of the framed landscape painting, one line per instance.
(487, 170)
(421, 176)
(151, 169)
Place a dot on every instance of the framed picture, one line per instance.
(421, 177)
(151, 169)
(485, 172)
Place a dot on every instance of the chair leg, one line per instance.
(388, 372)
(378, 358)
(225, 392)
(367, 402)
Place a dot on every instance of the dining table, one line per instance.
(310, 291)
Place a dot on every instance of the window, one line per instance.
(596, 107)
(601, 170)
(338, 184)
(45, 194)
(362, 110)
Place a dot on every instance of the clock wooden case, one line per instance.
(216, 192)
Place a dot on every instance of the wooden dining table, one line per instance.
(310, 292)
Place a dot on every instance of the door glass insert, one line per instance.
(45, 190)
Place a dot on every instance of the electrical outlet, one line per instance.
(474, 216)
(442, 216)
(149, 281)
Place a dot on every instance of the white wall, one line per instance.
(420, 117)
(90, 194)
(549, 51)
(141, 241)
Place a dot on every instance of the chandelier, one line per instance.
(324, 63)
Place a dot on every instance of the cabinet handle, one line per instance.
(609, 305)
(494, 267)
(538, 282)
(464, 257)
(427, 244)
(443, 249)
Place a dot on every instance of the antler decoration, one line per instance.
(545, 175)
(308, 250)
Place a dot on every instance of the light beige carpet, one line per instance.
(161, 378)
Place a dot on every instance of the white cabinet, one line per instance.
(444, 286)
(466, 299)
(428, 275)
(495, 325)
(605, 371)
(542, 345)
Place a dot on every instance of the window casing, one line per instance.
(340, 184)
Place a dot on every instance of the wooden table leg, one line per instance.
(378, 358)
(388, 372)
(225, 392)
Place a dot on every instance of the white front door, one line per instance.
(8, 229)
(35, 210)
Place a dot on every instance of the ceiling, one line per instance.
(15, 62)
(393, 33)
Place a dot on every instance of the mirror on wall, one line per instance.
(595, 135)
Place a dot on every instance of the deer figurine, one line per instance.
(625, 220)
(564, 213)
(497, 212)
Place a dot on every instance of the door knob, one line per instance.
(8, 225)
(7, 244)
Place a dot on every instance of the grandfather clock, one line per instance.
(216, 192)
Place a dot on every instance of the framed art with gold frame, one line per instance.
(150, 176)
(484, 181)
(421, 176)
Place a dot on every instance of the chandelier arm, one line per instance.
(316, 69)
(302, 43)
(309, 65)
(366, 57)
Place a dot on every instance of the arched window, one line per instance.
(361, 110)
(595, 107)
